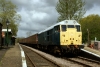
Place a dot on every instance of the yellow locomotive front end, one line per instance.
(71, 36)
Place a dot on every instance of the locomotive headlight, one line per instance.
(63, 35)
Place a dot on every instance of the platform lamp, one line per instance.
(7, 22)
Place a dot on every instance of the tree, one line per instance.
(8, 11)
(91, 23)
(70, 9)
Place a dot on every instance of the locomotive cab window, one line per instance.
(64, 28)
(57, 28)
(78, 28)
(71, 26)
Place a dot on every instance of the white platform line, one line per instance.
(23, 57)
(91, 53)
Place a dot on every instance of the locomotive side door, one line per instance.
(56, 35)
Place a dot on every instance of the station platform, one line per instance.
(12, 57)
(92, 50)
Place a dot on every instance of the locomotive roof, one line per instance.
(65, 22)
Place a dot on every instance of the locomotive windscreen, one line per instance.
(63, 27)
(71, 26)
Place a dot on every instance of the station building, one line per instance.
(10, 39)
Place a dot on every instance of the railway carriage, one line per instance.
(31, 41)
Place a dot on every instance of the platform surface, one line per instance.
(92, 50)
(12, 57)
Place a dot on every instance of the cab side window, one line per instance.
(57, 28)
(78, 28)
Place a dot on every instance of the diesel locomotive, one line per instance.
(62, 37)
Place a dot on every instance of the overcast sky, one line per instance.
(37, 15)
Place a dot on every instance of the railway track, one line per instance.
(59, 62)
(85, 62)
(36, 60)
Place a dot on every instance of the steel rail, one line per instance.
(42, 57)
(46, 59)
(30, 59)
(90, 60)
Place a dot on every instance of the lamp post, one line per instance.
(7, 22)
(88, 37)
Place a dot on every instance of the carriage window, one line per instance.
(57, 28)
(78, 28)
(70, 26)
(63, 27)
